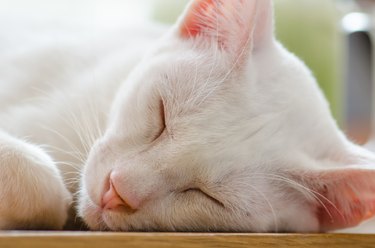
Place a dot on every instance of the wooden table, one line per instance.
(180, 240)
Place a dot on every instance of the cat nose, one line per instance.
(111, 199)
(115, 200)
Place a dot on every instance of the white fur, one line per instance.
(240, 120)
(32, 191)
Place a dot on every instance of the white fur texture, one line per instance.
(220, 129)
(32, 192)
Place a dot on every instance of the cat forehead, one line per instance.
(178, 60)
(182, 74)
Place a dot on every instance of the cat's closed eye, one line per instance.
(162, 125)
(195, 190)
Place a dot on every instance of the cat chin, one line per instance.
(98, 220)
(90, 213)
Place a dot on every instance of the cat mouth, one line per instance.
(96, 219)
(108, 220)
(99, 219)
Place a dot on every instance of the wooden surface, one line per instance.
(180, 240)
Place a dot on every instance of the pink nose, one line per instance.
(111, 199)
(114, 200)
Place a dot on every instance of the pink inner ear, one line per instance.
(192, 25)
(346, 197)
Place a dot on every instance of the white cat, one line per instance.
(214, 127)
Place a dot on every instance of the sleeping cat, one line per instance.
(210, 125)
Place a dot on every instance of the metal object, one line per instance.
(359, 103)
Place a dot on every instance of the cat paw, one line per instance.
(32, 192)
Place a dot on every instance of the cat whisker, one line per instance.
(80, 127)
(65, 139)
(269, 204)
(72, 174)
(77, 155)
(311, 193)
(77, 167)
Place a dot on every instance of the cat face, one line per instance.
(219, 128)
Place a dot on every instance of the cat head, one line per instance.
(220, 128)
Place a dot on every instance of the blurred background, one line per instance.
(333, 37)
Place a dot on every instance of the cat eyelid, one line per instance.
(162, 113)
(162, 116)
(200, 191)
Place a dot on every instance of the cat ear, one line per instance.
(237, 26)
(344, 197)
